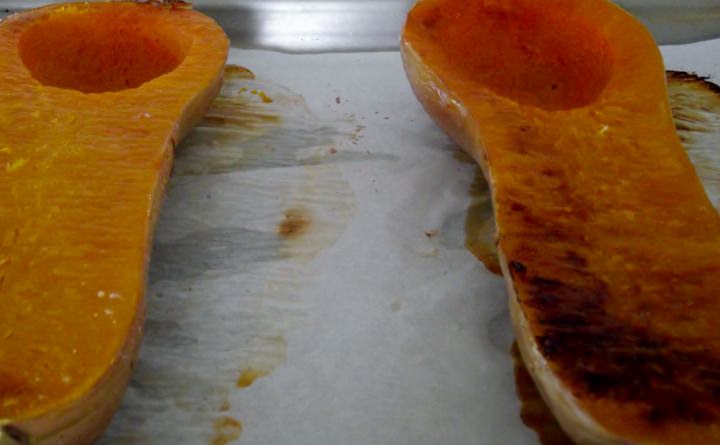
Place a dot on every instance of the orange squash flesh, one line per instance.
(609, 244)
(94, 98)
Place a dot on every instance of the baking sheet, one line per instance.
(365, 25)
(310, 282)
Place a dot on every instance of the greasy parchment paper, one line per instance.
(310, 283)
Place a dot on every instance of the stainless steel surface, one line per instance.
(374, 25)
(299, 26)
(311, 26)
(678, 21)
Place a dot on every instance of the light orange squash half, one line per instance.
(608, 242)
(93, 99)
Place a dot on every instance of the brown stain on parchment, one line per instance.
(226, 430)
(480, 225)
(224, 405)
(294, 224)
(314, 204)
(245, 131)
(238, 72)
(243, 115)
(239, 114)
(249, 375)
(274, 353)
(256, 124)
(692, 98)
(229, 115)
(463, 157)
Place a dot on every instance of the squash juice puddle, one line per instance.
(256, 194)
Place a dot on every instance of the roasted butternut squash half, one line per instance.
(609, 245)
(94, 98)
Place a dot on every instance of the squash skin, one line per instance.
(554, 259)
(122, 141)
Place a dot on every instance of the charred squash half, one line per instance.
(94, 98)
(608, 242)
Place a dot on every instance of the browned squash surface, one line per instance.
(608, 242)
(93, 99)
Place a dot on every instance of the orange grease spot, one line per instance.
(238, 72)
(227, 429)
(295, 223)
(480, 225)
(249, 375)
(225, 405)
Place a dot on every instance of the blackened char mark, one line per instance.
(517, 267)
(692, 78)
(605, 358)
